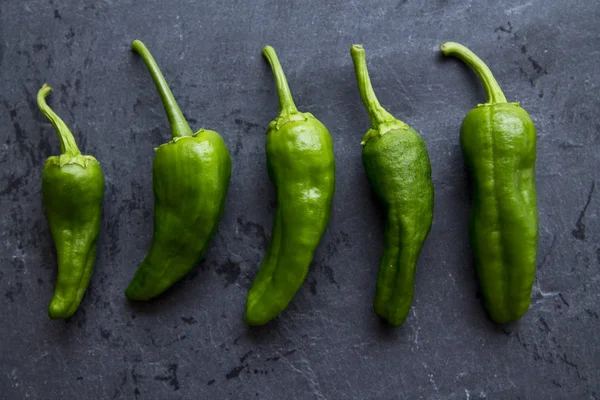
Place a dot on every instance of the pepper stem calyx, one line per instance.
(65, 137)
(492, 89)
(179, 125)
(286, 102)
(377, 113)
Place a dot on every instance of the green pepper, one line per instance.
(498, 143)
(397, 166)
(190, 177)
(73, 190)
(301, 165)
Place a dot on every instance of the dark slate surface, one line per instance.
(192, 343)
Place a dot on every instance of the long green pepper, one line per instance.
(73, 190)
(498, 142)
(397, 165)
(301, 165)
(190, 176)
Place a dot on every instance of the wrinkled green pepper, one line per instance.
(301, 165)
(397, 166)
(498, 142)
(73, 190)
(190, 176)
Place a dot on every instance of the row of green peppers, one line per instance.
(191, 175)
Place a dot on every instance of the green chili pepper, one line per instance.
(397, 166)
(190, 176)
(301, 165)
(498, 142)
(73, 190)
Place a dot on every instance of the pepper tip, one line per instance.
(57, 310)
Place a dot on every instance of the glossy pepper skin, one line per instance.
(301, 165)
(190, 176)
(397, 166)
(73, 190)
(498, 142)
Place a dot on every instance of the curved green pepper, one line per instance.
(73, 190)
(397, 166)
(301, 165)
(498, 142)
(190, 175)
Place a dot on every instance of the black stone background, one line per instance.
(191, 343)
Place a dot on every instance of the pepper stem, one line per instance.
(65, 137)
(492, 89)
(286, 102)
(377, 114)
(179, 126)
